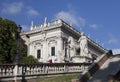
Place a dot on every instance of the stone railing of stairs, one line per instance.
(93, 68)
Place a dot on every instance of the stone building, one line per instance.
(58, 42)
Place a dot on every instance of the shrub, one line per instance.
(30, 59)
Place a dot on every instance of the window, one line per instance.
(38, 54)
(65, 52)
(53, 51)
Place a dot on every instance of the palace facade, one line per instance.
(58, 42)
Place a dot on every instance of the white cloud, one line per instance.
(12, 8)
(32, 12)
(25, 28)
(94, 26)
(71, 18)
(18, 7)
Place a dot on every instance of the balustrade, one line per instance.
(19, 70)
(6, 70)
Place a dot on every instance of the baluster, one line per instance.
(41, 69)
(3, 70)
(57, 69)
(76, 68)
(35, 69)
(62, 68)
(10, 70)
(79, 68)
(46, 68)
(73, 68)
(69, 68)
(53, 69)
(7, 70)
(28, 70)
(19, 71)
(31, 70)
(0, 71)
(50, 69)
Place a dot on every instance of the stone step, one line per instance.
(110, 67)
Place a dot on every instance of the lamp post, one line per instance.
(18, 31)
(17, 57)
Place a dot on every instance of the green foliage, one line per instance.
(9, 42)
(29, 59)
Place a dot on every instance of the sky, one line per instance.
(98, 19)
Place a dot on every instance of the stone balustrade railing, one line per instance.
(26, 70)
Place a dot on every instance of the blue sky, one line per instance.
(100, 19)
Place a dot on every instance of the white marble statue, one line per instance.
(83, 45)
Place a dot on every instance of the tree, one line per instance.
(8, 42)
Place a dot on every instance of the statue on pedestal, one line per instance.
(83, 45)
(84, 53)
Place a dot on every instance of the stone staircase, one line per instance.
(104, 69)
(110, 67)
